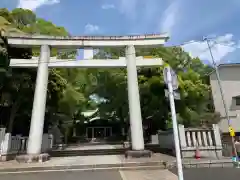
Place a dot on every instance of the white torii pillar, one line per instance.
(136, 127)
(39, 103)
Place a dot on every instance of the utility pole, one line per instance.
(222, 96)
(171, 80)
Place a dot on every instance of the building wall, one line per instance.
(230, 79)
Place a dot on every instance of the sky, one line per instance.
(187, 22)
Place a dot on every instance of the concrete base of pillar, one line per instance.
(32, 158)
(138, 153)
(7, 157)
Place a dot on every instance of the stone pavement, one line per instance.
(89, 160)
(158, 160)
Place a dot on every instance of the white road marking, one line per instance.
(123, 175)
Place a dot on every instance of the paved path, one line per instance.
(89, 160)
(92, 147)
(211, 173)
(86, 160)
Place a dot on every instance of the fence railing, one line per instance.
(18, 144)
(199, 137)
(207, 140)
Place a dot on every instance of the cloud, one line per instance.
(108, 6)
(169, 17)
(128, 7)
(90, 28)
(34, 4)
(221, 46)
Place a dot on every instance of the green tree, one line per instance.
(193, 87)
(4, 13)
(15, 88)
(23, 17)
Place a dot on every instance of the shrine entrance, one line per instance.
(130, 62)
(98, 132)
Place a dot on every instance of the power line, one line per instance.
(228, 45)
(184, 43)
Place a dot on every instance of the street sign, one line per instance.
(174, 77)
(175, 94)
(231, 131)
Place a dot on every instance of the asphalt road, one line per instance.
(87, 175)
(189, 174)
(210, 173)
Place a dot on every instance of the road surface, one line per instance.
(189, 174)
(67, 175)
(210, 173)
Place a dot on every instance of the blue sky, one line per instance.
(186, 21)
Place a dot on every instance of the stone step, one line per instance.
(92, 152)
(116, 151)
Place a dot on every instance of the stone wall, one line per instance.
(166, 140)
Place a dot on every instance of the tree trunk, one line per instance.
(13, 113)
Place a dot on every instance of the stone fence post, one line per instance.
(217, 139)
(5, 146)
(182, 137)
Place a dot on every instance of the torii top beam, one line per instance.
(20, 40)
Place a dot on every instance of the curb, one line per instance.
(205, 164)
(91, 169)
(121, 166)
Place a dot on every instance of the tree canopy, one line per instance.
(21, 83)
(195, 106)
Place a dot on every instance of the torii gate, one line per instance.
(44, 62)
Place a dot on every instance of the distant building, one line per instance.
(230, 80)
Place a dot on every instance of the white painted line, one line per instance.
(90, 169)
(123, 175)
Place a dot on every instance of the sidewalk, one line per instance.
(157, 161)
